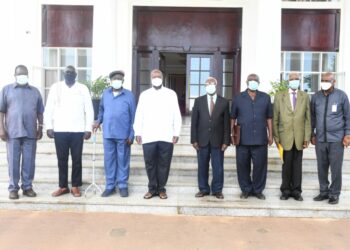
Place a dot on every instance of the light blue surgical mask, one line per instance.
(253, 85)
(294, 84)
(22, 79)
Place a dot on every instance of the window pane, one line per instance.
(205, 63)
(84, 58)
(227, 79)
(293, 61)
(50, 57)
(84, 75)
(228, 65)
(194, 91)
(311, 82)
(145, 61)
(50, 77)
(227, 92)
(312, 62)
(67, 57)
(145, 77)
(204, 77)
(194, 78)
(202, 90)
(61, 75)
(194, 63)
(329, 62)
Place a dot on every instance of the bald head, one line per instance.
(21, 70)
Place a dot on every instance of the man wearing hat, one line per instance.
(116, 113)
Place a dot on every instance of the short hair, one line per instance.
(253, 75)
(211, 79)
(157, 71)
(116, 72)
(293, 73)
(22, 67)
(328, 74)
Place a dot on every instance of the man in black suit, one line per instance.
(210, 136)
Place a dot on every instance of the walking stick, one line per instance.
(93, 186)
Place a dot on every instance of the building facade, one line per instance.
(187, 40)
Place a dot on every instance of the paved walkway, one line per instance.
(64, 230)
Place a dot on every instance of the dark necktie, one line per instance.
(211, 105)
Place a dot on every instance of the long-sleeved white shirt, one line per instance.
(158, 116)
(69, 109)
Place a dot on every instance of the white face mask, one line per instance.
(22, 79)
(117, 84)
(326, 85)
(211, 89)
(156, 82)
(253, 85)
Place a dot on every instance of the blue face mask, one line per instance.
(253, 85)
(69, 78)
(294, 84)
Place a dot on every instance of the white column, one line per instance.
(261, 42)
(104, 55)
(344, 50)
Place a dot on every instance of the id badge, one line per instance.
(334, 108)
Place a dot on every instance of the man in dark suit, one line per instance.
(210, 136)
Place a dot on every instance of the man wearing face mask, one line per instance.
(210, 136)
(157, 127)
(292, 130)
(330, 120)
(116, 113)
(252, 111)
(69, 119)
(21, 123)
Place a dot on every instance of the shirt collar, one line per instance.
(291, 91)
(16, 85)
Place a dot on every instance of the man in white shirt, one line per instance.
(157, 127)
(69, 119)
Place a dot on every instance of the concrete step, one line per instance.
(182, 201)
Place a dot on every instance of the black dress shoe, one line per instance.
(29, 192)
(244, 195)
(260, 196)
(333, 200)
(108, 192)
(321, 197)
(219, 195)
(13, 195)
(284, 197)
(298, 197)
(201, 194)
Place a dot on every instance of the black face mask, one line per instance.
(69, 77)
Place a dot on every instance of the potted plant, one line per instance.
(96, 88)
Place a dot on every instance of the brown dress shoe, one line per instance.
(60, 192)
(148, 195)
(29, 192)
(201, 194)
(219, 195)
(75, 192)
(163, 195)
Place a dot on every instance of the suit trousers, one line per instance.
(157, 156)
(245, 154)
(117, 163)
(292, 171)
(216, 156)
(73, 142)
(21, 148)
(330, 155)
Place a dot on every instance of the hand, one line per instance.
(175, 139)
(50, 133)
(346, 141)
(3, 135)
(129, 141)
(306, 144)
(139, 139)
(223, 147)
(270, 140)
(87, 135)
(196, 146)
(39, 133)
(313, 140)
(96, 126)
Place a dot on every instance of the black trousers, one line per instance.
(157, 156)
(73, 142)
(292, 171)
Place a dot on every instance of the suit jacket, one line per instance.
(213, 129)
(291, 126)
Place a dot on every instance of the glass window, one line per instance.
(205, 63)
(227, 92)
(312, 62)
(194, 91)
(84, 58)
(195, 63)
(194, 77)
(311, 82)
(293, 61)
(50, 57)
(227, 65)
(67, 57)
(227, 79)
(204, 76)
(145, 61)
(329, 62)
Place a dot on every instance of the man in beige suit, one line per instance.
(292, 130)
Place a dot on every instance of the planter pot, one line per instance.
(96, 105)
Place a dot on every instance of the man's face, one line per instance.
(156, 75)
(327, 78)
(21, 71)
(252, 78)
